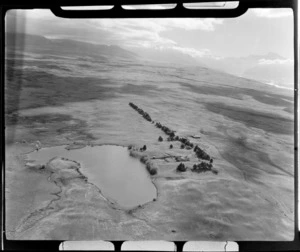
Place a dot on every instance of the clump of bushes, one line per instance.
(201, 153)
(160, 139)
(130, 147)
(133, 148)
(144, 159)
(181, 167)
(186, 142)
(150, 166)
(135, 153)
(202, 167)
(143, 148)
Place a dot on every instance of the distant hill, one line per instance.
(166, 55)
(278, 74)
(269, 55)
(40, 44)
(268, 68)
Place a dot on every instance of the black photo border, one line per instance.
(118, 12)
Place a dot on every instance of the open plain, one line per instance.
(246, 127)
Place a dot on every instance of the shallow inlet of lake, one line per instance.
(121, 178)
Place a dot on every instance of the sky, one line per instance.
(257, 32)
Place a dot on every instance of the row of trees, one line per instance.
(200, 167)
(185, 143)
(140, 111)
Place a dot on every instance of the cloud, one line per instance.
(149, 30)
(159, 25)
(147, 33)
(193, 52)
(206, 24)
(154, 25)
(273, 13)
(143, 33)
(126, 32)
(275, 62)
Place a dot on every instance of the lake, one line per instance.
(121, 178)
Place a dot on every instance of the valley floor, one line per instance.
(247, 129)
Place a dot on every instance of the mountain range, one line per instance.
(35, 43)
(269, 68)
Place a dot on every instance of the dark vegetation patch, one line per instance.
(49, 125)
(198, 168)
(181, 167)
(56, 67)
(51, 56)
(144, 158)
(36, 63)
(144, 148)
(94, 59)
(202, 154)
(252, 118)
(31, 89)
(204, 167)
(213, 90)
(141, 112)
(174, 178)
(15, 62)
(150, 166)
(145, 90)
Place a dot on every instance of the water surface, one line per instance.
(120, 177)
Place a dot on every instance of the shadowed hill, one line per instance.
(35, 43)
